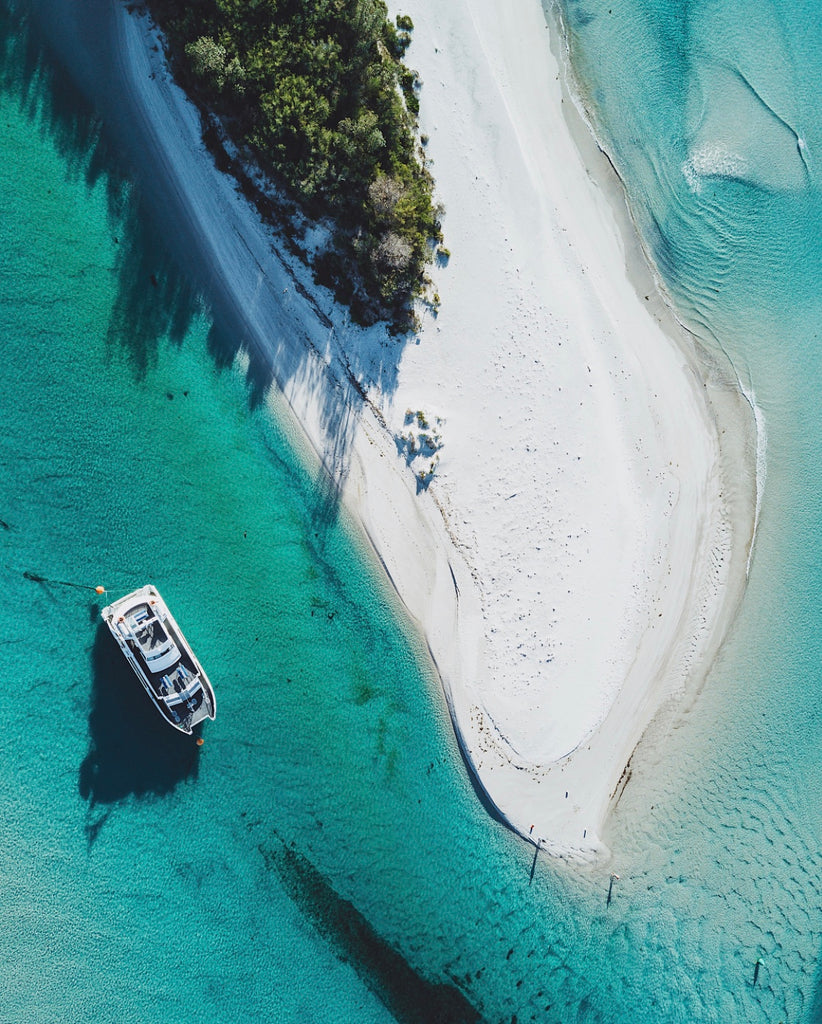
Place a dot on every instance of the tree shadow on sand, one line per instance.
(132, 750)
(166, 274)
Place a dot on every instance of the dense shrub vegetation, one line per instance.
(315, 92)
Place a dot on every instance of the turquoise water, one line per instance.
(711, 114)
(323, 856)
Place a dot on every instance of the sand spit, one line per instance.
(581, 550)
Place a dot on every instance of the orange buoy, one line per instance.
(200, 741)
(100, 590)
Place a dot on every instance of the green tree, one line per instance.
(313, 91)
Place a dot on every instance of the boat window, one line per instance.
(151, 636)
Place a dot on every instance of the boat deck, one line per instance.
(179, 680)
(159, 654)
(177, 688)
(150, 635)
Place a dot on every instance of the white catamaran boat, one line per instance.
(156, 649)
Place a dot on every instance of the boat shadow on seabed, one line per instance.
(132, 750)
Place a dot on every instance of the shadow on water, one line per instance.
(48, 98)
(153, 300)
(409, 997)
(132, 750)
(815, 1014)
(66, 65)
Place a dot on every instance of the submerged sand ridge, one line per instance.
(579, 553)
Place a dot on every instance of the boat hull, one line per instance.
(159, 654)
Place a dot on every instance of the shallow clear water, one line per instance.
(143, 879)
(711, 114)
(323, 856)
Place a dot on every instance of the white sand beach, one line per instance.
(581, 550)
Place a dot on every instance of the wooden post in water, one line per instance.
(534, 861)
(614, 878)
